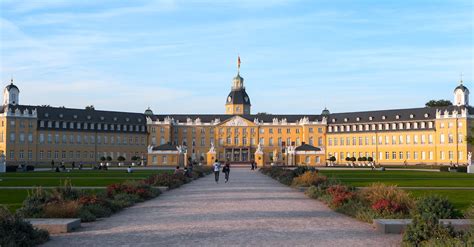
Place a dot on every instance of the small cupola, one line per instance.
(11, 94)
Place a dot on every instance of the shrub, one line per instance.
(125, 200)
(387, 199)
(308, 178)
(139, 188)
(462, 169)
(66, 192)
(165, 179)
(444, 168)
(30, 168)
(315, 192)
(340, 194)
(469, 213)
(86, 215)
(67, 209)
(14, 231)
(33, 204)
(300, 170)
(425, 228)
(435, 206)
(97, 210)
(11, 168)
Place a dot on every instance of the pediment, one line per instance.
(237, 121)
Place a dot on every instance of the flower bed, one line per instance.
(67, 202)
(386, 202)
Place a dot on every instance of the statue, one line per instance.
(259, 148)
(470, 167)
(212, 149)
(3, 164)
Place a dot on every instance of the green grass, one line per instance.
(12, 199)
(78, 178)
(403, 178)
(461, 199)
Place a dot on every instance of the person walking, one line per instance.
(217, 168)
(226, 171)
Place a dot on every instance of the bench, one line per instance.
(54, 226)
(398, 226)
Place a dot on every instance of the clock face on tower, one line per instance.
(229, 99)
(246, 99)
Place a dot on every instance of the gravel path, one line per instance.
(250, 210)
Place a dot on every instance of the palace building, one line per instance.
(426, 135)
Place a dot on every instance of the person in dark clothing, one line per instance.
(73, 165)
(226, 171)
(52, 164)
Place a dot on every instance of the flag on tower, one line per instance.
(238, 62)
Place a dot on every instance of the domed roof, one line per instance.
(238, 77)
(238, 97)
(325, 112)
(461, 87)
(11, 86)
(148, 112)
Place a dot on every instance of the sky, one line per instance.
(179, 56)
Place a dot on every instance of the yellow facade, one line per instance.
(41, 134)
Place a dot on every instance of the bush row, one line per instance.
(14, 231)
(382, 201)
(67, 202)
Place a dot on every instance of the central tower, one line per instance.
(238, 102)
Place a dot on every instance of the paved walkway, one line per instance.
(250, 210)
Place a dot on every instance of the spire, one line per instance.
(238, 64)
(460, 81)
(11, 80)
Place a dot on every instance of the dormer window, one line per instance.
(371, 118)
(115, 119)
(139, 120)
(358, 119)
(333, 120)
(384, 117)
(102, 118)
(412, 116)
(46, 115)
(60, 115)
(397, 117)
(89, 117)
(127, 119)
(427, 115)
(345, 119)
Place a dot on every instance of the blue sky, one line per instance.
(180, 56)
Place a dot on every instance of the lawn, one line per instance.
(78, 178)
(402, 178)
(13, 198)
(461, 199)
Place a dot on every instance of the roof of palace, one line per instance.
(83, 115)
(410, 114)
(307, 147)
(462, 87)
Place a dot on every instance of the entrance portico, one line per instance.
(238, 154)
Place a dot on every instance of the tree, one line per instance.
(360, 159)
(109, 158)
(370, 159)
(332, 159)
(102, 158)
(121, 159)
(353, 159)
(364, 158)
(90, 107)
(348, 158)
(436, 103)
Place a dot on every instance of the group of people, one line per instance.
(62, 166)
(187, 171)
(225, 170)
